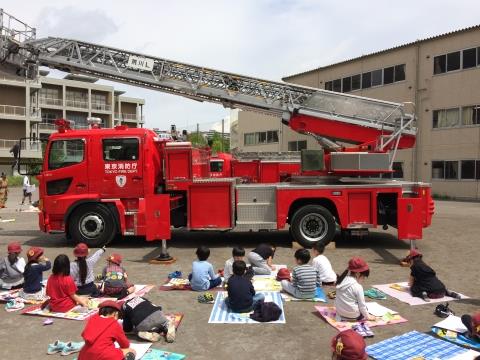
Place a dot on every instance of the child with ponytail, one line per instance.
(81, 269)
(350, 301)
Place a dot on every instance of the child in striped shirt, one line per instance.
(305, 278)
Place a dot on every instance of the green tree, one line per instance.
(197, 139)
(216, 143)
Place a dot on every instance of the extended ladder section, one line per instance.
(20, 50)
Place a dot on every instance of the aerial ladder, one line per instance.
(375, 128)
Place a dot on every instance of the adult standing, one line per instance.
(15, 151)
(27, 190)
(3, 190)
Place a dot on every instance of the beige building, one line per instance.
(440, 75)
(30, 108)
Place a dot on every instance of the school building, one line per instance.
(29, 108)
(440, 75)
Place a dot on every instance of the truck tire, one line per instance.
(92, 224)
(311, 224)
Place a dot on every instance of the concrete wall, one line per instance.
(12, 95)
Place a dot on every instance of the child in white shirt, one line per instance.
(12, 267)
(238, 253)
(322, 265)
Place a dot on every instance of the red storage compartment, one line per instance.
(360, 208)
(269, 172)
(210, 205)
(408, 214)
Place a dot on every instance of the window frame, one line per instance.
(393, 75)
(84, 150)
(138, 154)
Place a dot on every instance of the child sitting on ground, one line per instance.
(322, 265)
(348, 345)
(350, 300)
(203, 277)
(238, 254)
(12, 267)
(147, 320)
(423, 280)
(81, 270)
(115, 278)
(305, 278)
(101, 333)
(472, 323)
(32, 287)
(241, 294)
(261, 259)
(61, 288)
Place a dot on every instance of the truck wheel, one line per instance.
(311, 224)
(92, 224)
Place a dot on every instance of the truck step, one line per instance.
(255, 225)
(131, 212)
(129, 233)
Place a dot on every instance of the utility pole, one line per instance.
(223, 131)
(198, 131)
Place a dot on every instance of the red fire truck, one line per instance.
(97, 183)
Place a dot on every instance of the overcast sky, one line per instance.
(263, 38)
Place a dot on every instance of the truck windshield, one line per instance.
(65, 153)
(216, 166)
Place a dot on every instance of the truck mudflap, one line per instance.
(409, 213)
(42, 222)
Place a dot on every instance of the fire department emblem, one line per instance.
(121, 180)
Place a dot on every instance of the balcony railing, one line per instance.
(76, 104)
(101, 106)
(50, 101)
(12, 110)
(129, 117)
(7, 144)
(46, 126)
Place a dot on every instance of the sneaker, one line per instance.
(367, 331)
(454, 295)
(149, 336)
(56, 347)
(425, 296)
(72, 347)
(129, 356)
(170, 336)
(14, 305)
(175, 275)
(206, 298)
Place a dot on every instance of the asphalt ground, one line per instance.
(451, 246)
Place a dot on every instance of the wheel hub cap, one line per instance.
(91, 226)
(313, 227)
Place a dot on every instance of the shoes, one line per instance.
(454, 295)
(56, 347)
(375, 294)
(14, 305)
(206, 298)
(332, 294)
(175, 275)
(129, 356)
(72, 347)
(170, 336)
(363, 330)
(149, 336)
(425, 296)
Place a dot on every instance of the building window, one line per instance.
(261, 137)
(377, 77)
(356, 82)
(397, 168)
(400, 72)
(438, 170)
(471, 115)
(249, 139)
(297, 145)
(366, 80)
(388, 75)
(328, 85)
(440, 64)
(446, 118)
(451, 170)
(50, 93)
(477, 169)
(337, 85)
(469, 58)
(347, 84)
(467, 170)
(453, 61)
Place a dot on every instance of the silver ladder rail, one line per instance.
(198, 83)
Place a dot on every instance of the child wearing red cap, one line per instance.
(101, 333)
(350, 300)
(348, 345)
(61, 288)
(81, 269)
(423, 281)
(115, 278)
(472, 323)
(12, 267)
(36, 265)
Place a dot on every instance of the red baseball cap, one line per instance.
(81, 250)
(413, 253)
(14, 248)
(34, 253)
(357, 264)
(112, 304)
(115, 258)
(283, 274)
(349, 345)
(476, 323)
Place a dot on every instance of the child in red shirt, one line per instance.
(102, 331)
(61, 288)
